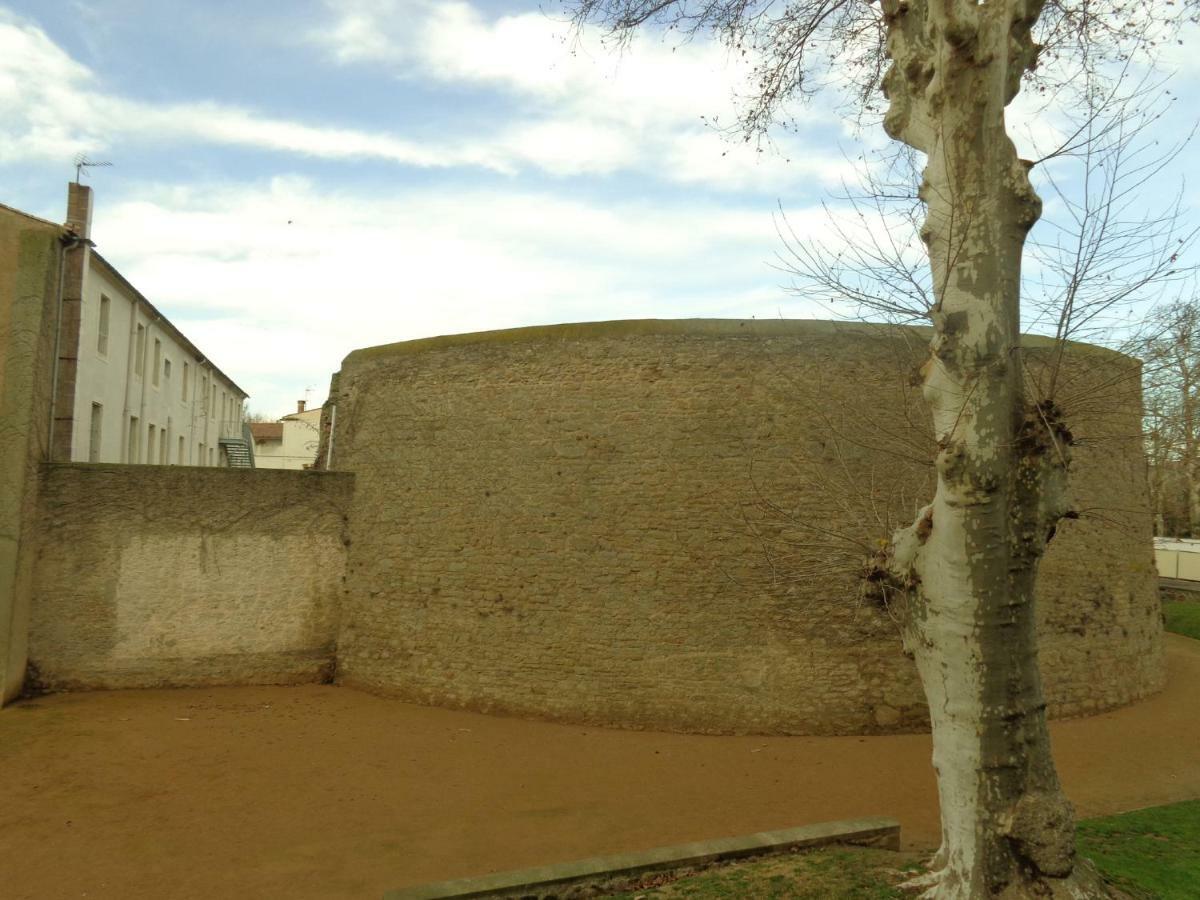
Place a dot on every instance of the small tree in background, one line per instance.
(1172, 390)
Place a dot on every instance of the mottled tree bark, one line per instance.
(968, 564)
(965, 570)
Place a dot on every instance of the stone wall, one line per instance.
(29, 269)
(663, 525)
(151, 576)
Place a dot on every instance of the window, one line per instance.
(200, 453)
(162, 447)
(94, 438)
(182, 451)
(204, 394)
(157, 360)
(139, 351)
(213, 407)
(167, 369)
(135, 433)
(211, 459)
(151, 434)
(102, 332)
(183, 393)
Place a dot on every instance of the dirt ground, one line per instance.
(307, 792)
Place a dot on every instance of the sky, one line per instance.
(291, 182)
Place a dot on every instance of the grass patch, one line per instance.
(854, 873)
(1150, 853)
(1183, 617)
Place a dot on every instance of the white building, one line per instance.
(141, 392)
(1177, 558)
(290, 443)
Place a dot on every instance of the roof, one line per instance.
(266, 431)
(38, 219)
(179, 336)
(111, 270)
(313, 415)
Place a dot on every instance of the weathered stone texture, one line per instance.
(157, 576)
(29, 262)
(662, 525)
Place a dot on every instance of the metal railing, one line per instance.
(230, 428)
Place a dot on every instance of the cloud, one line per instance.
(246, 270)
(46, 114)
(238, 127)
(53, 109)
(649, 107)
(585, 122)
(537, 57)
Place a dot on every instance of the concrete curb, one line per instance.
(590, 877)
(1178, 584)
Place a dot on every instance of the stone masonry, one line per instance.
(663, 525)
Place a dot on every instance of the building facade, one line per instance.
(130, 387)
(290, 443)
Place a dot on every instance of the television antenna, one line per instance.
(82, 162)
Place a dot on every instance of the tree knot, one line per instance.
(1041, 831)
(1043, 428)
(884, 579)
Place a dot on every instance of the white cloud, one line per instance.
(45, 113)
(582, 120)
(1178, 51)
(645, 108)
(54, 110)
(283, 303)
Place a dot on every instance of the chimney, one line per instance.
(79, 209)
(299, 406)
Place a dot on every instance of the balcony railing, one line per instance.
(230, 428)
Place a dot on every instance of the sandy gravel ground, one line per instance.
(309, 792)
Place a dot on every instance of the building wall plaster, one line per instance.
(30, 255)
(138, 587)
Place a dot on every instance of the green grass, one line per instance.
(1151, 853)
(854, 873)
(1183, 617)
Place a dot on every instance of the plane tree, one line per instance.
(1171, 350)
(963, 571)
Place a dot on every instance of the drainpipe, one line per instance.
(145, 377)
(192, 403)
(329, 446)
(67, 242)
(76, 233)
(125, 447)
(208, 412)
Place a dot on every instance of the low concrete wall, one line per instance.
(605, 875)
(151, 576)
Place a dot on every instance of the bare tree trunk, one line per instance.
(968, 564)
(1158, 495)
(1191, 470)
(1190, 463)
